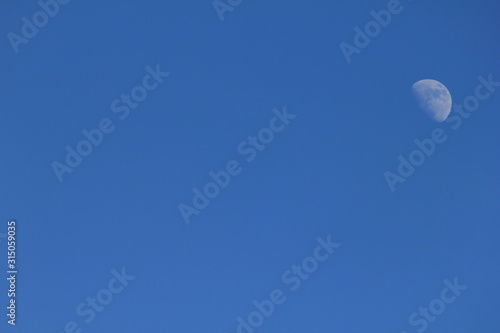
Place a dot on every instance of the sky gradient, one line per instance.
(297, 139)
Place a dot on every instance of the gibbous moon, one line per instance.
(434, 98)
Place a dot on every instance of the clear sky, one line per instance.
(271, 70)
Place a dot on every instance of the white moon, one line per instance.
(434, 98)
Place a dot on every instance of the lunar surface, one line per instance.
(433, 98)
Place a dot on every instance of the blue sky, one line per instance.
(322, 175)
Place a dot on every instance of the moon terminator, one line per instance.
(434, 98)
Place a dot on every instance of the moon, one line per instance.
(434, 98)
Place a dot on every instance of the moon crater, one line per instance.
(434, 98)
